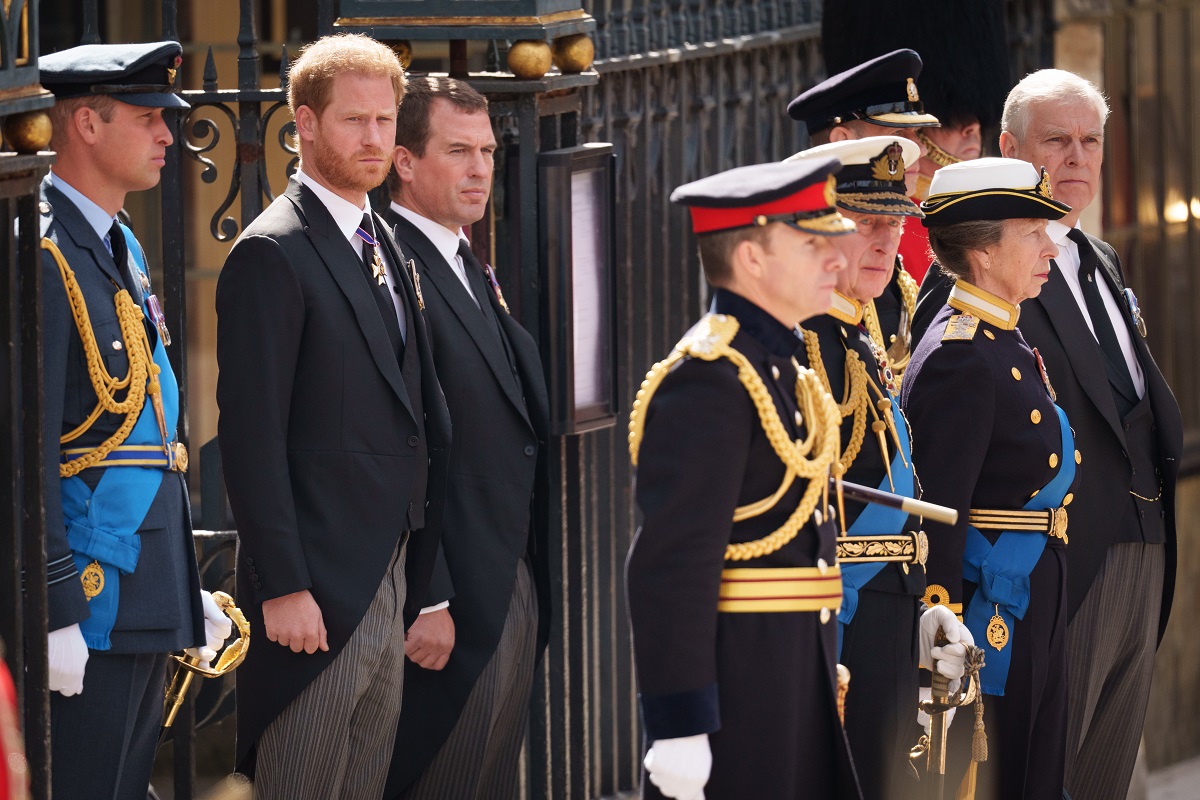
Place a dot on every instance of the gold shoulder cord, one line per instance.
(142, 378)
(809, 458)
(909, 289)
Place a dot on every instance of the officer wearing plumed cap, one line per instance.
(121, 566)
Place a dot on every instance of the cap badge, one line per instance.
(1043, 187)
(889, 165)
(830, 190)
(913, 97)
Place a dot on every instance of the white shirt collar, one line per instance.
(346, 216)
(445, 240)
(1057, 232)
(97, 217)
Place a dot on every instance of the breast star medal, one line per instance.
(997, 631)
(92, 579)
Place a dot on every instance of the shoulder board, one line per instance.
(961, 328)
(47, 216)
(708, 338)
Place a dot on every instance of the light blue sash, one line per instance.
(877, 520)
(1002, 570)
(102, 525)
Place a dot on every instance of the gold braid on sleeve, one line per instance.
(142, 378)
(809, 458)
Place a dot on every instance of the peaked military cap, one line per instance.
(139, 74)
(801, 195)
(882, 90)
(990, 189)
(872, 176)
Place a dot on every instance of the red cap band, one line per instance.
(812, 198)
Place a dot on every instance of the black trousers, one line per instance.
(103, 740)
(880, 649)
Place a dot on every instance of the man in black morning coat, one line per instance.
(466, 709)
(334, 439)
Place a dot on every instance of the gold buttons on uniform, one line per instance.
(1035, 416)
(775, 372)
(1053, 460)
(989, 334)
(1016, 374)
(1078, 457)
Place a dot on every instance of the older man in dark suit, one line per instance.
(334, 439)
(1087, 326)
(121, 575)
(466, 712)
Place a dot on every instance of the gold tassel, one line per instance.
(979, 748)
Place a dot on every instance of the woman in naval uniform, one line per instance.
(992, 444)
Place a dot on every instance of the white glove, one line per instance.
(925, 695)
(217, 629)
(680, 767)
(68, 657)
(951, 658)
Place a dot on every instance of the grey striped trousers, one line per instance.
(1110, 662)
(479, 760)
(335, 739)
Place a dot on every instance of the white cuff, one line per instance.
(438, 607)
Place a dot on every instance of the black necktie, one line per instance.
(481, 288)
(120, 253)
(1114, 360)
(379, 291)
(475, 278)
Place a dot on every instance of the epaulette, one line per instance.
(960, 328)
(47, 216)
(709, 337)
(707, 340)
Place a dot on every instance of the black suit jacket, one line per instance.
(318, 439)
(496, 475)
(1054, 324)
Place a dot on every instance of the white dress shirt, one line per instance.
(348, 217)
(445, 240)
(1067, 263)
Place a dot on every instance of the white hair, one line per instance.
(1048, 85)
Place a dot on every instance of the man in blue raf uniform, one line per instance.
(732, 580)
(881, 553)
(876, 98)
(121, 568)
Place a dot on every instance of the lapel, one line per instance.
(76, 228)
(339, 259)
(443, 280)
(1087, 362)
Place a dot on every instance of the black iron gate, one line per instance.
(686, 88)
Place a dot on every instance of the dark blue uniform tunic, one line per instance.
(986, 435)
